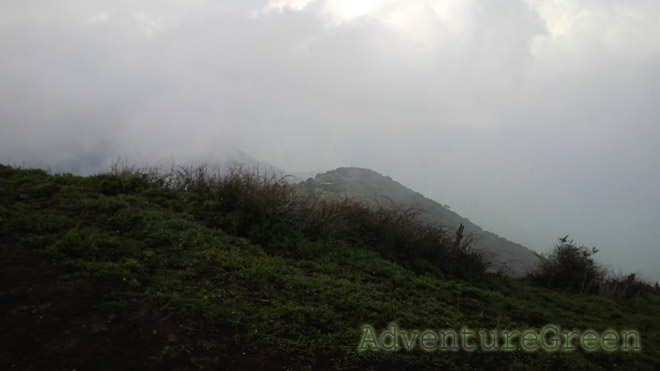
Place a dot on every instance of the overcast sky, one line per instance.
(533, 118)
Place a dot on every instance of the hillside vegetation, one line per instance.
(371, 187)
(188, 269)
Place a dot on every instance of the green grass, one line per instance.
(273, 285)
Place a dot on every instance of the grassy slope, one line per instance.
(366, 184)
(289, 301)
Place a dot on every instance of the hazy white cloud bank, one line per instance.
(535, 118)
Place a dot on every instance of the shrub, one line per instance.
(626, 286)
(569, 267)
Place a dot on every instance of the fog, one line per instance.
(533, 118)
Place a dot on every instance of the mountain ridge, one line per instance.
(368, 186)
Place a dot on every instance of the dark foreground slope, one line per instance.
(106, 272)
(368, 185)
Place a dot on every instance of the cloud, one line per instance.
(279, 6)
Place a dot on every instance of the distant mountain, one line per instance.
(370, 186)
(236, 157)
